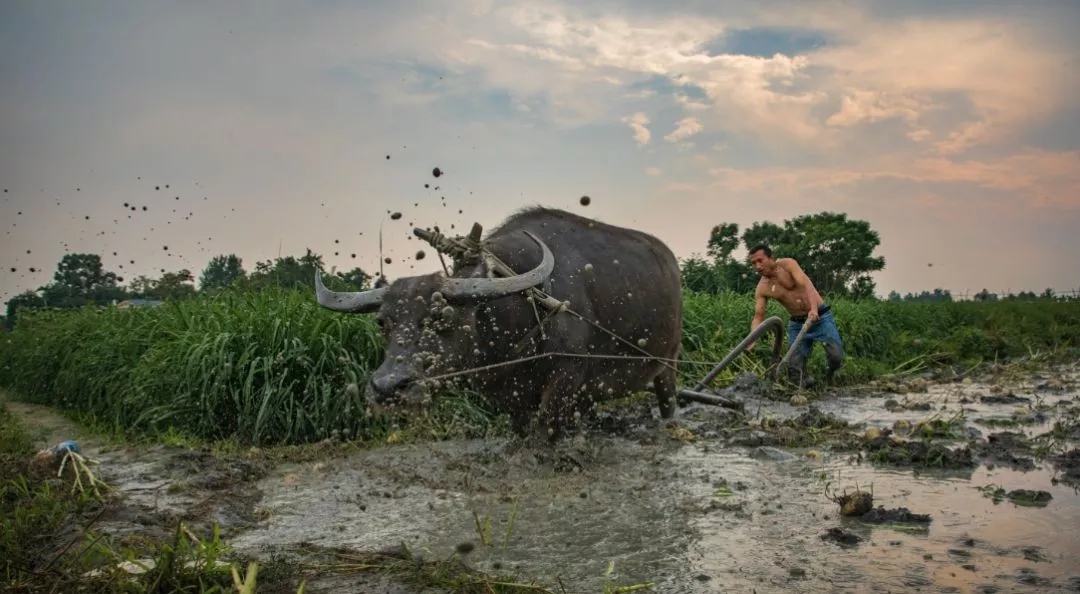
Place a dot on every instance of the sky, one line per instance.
(264, 128)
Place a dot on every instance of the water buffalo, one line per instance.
(624, 280)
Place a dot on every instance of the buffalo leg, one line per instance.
(557, 401)
(664, 385)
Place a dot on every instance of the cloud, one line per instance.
(685, 128)
(859, 106)
(908, 67)
(1043, 178)
(767, 109)
(858, 71)
(639, 124)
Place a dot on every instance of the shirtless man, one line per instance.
(784, 280)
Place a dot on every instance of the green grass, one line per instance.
(48, 541)
(273, 367)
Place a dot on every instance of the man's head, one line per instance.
(761, 258)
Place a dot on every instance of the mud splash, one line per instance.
(708, 503)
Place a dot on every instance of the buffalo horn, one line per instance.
(489, 288)
(348, 302)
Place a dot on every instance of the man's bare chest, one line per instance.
(780, 284)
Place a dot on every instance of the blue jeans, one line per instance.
(823, 331)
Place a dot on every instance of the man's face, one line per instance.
(762, 263)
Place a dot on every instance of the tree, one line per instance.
(80, 279)
(356, 279)
(836, 252)
(936, 295)
(863, 287)
(221, 272)
(141, 286)
(174, 286)
(288, 272)
(721, 272)
(766, 233)
(702, 276)
(723, 240)
(24, 300)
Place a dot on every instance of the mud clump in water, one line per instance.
(883, 448)
(811, 428)
(918, 384)
(1069, 466)
(860, 505)
(1008, 398)
(841, 537)
(1002, 448)
(901, 515)
(892, 405)
(1029, 497)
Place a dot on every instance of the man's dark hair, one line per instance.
(761, 247)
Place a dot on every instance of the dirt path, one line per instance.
(703, 506)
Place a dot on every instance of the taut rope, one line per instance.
(481, 368)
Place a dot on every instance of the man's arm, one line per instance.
(803, 285)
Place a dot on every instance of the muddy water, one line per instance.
(623, 506)
(703, 516)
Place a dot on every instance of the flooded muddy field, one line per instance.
(973, 486)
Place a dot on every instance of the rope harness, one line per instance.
(470, 249)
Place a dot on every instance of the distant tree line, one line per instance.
(836, 252)
(983, 295)
(81, 279)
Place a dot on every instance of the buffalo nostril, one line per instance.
(390, 383)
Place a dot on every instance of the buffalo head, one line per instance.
(429, 323)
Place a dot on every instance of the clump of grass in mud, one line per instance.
(860, 505)
(451, 573)
(48, 540)
(1021, 497)
(483, 525)
(40, 509)
(937, 427)
(32, 511)
(886, 449)
(400, 563)
(921, 446)
(811, 428)
(856, 503)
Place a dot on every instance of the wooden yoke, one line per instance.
(468, 249)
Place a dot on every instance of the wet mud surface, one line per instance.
(156, 486)
(912, 485)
